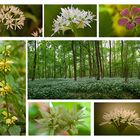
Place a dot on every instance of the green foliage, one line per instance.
(12, 103)
(14, 130)
(84, 88)
(61, 119)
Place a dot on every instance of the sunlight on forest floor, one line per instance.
(84, 88)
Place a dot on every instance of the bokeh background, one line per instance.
(101, 108)
(108, 21)
(51, 12)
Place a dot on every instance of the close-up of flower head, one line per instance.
(71, 18)
(20, 20)
(12, 17)
(121, 118)
(130, 17)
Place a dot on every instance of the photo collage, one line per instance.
(69, 70)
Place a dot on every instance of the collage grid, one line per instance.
(93, 102)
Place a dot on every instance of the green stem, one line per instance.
(74, 30)
(6, 100)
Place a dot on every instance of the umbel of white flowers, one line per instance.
(71, 18)
(12, 17)
(121, 118)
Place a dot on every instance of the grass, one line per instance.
(84, 88)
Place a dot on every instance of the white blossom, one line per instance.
(12, 17)
(71, 18)
(37, 33)
(121, 116)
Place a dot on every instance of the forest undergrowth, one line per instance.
(84, 88)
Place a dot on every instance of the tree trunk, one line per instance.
(110, 58)
(74, 59)
(97, 59)
(89, 60)
(54, 63)
(34, 63)
(126, 63)
(81, 61)
(122, 65)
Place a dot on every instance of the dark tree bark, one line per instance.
(34, 63)
(110, 58)
(89, 60)
(74, 59)
(102, 56)
(97, 59)
(54, 63)
(126, 63)
(122, 61)
(81, 60)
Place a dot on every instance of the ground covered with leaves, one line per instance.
(84, 88)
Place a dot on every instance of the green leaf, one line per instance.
(14, 130)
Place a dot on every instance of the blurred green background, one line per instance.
(51, 12)
(108, 21)
(33, 15)
(101, 108)
(34, 114)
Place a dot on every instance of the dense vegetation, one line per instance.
(12, 88)
(83, 69)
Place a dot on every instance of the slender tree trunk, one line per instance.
(89, 60)
(97, 59)
(102, 56)
(74, 59)
(38, 67)
(34, 63)
(126, 63)
(45, 63)
(54, 63)
(100, 63)
(81, 62)
(65, 65)
(93, 60)
(122, 61)
(110, 58)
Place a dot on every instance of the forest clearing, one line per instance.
(84, 69)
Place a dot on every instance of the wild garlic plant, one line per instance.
(11, 17)
(37, 33)
(121, 118)
(5, 89)
(71, 18)
(60, 121)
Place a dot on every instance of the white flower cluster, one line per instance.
(120, 116)
(12, 17)
(72, 18)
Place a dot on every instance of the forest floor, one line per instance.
(84, 88)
